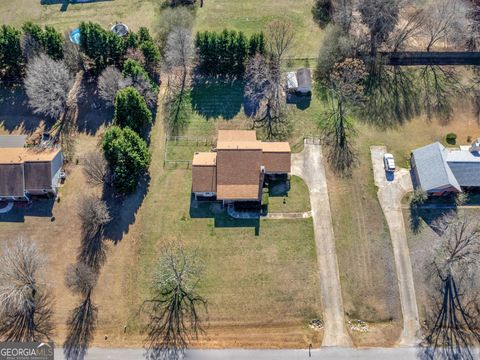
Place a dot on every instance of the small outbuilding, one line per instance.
(300, 81)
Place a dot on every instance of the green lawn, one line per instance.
(296, 200)
(252, 16)
(184, 149)
(255, 273)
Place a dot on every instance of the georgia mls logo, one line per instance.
(26, 351)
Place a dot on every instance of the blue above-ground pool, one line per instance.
(75, 36)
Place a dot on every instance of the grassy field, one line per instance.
(251, 16)
(64, 16)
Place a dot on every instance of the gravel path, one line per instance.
(309, 166)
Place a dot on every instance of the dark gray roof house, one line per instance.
(438, 170)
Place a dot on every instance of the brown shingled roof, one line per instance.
(234, 171)
(11, 180)
(38, 175)
(277, 162)
(204, 179)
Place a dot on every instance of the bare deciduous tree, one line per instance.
(80, 278)
(173, 311)
(345, 91)
(109, 82)
(381, 17)
(264, 90)
(25, 306)
(95, 167)
(445, 20)
(342, 14)
(72, 57)
(179, 58)
(47, 85)
(94, 214)
(409, 30)
(452, 265)
(280, 36)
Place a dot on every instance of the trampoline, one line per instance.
(75, 36)
(120, 29)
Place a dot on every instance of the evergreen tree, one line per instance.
(225, 53)
(131, 110)
(144, 35)
(53, 43)
(50, 41)
(103, 47)
(11, 59)
(127, 155)
(151, 53)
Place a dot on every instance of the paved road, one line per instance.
(240, 354)
(309, 166)
(390, 193)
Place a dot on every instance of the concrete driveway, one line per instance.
(309, 166)
(391, 189)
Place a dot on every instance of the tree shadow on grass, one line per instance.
(81, 328)
(123, 209)
(301, 102)
(452, 323)
(214, 210)
(215, 98)
(15, 114)
(65, 3)
(93, 112)
(424, 214)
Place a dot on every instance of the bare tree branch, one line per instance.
(174, 309)
(25, 306)
(47, 85)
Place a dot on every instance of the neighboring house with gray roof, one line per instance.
(439, 171)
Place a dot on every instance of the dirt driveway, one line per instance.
(391, 188)
(309, 166)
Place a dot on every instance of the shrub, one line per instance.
(322, 12)
(131, 110)
(128, 157)
(134, 69)
(451, 138)
(419, 197)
